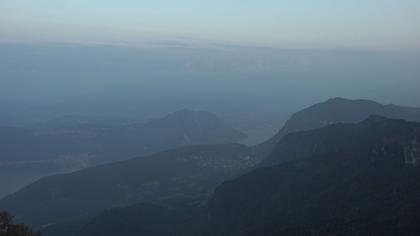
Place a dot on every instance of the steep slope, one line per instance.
(339, 110)
(140, 180)
(72, 143)
(174, 175)
(364, 180)
(366, 183)
(337, 138)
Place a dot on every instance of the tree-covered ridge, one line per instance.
(9, 228)
(364, 180)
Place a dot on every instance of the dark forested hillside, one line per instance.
(9, 228)
(366, 183)
(332, 178)
(175, 175)
(140, 219)
(362, 179)
(336, 138)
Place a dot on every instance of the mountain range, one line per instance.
(341, 167)
(174, 175)
(339, 110)
(367, 185)
(74, 135)
(71, 143)
(346, 179)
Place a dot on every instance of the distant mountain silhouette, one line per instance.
(75, 135)
(77, 121)
(71, 143)
(339, 110)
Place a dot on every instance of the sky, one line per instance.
(360, 24)
(205, 55)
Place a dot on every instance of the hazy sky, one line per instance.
(372, 24)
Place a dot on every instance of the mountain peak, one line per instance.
(185, 111)
(373, 133)
(341, 110)
(337, 99)
(341, 100)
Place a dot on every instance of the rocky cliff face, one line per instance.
(360, 179)
(343, 179)
(412, 152)
(376, 136)
(407, 147)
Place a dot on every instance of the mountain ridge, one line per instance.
(352, 190)
(295, 195)
(166, 176)
(295, 146)
(339, 110)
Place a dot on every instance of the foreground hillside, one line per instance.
(368, 184)
(181, 180)
(174, 175)
(360, 179)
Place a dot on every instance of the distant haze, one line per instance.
(251, 62)
(62, 79)
(374, 24)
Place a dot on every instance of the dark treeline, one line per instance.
(8, 228)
